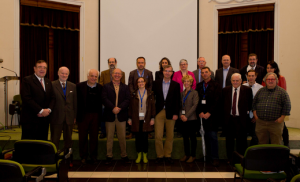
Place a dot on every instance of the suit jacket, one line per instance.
(82, 89)
(191, 104)
(105, 77)
(196, 73)
(213, 99)
(109, 101)
(244, 104)
(34, 99)
(172, 103)
(133, 76)
(261, 72)
(65, 107)
(219, 76)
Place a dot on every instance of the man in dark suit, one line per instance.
(89, 106)
(200, 64)
(223, 75)
(167, 106)
(63, 116)
(209, 93)
(38, 101)
(236, 104)
(252, 60)
(116, 97)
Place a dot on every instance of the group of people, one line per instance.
(231, 98)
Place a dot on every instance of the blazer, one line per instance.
(133, 76)
(105, 77)
(82, 89)
(178, 76)
(35, 98)
(65, 107)
(134, 111)
(191, 104)
(196, 74)
(244, 104)
(212, 98)
(172, 102)
(261, 72)
(109, 101)
(219, 76)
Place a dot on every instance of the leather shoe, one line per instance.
(83, 161)
(159, 160)
(191, 159)
(150, 136)
(125, 159)
(108, 160)
(169, 160)
(102, 135)
(183, 159)
(129, 136)
(215, 162)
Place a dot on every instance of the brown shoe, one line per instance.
(129, 136)
(150, 136)
(191, 159)
(183, 159)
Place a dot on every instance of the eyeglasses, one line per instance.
(168, 71)
(271, 80)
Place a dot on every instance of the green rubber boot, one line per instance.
(145, 159)
(138, 159)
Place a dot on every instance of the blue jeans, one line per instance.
(212, 146)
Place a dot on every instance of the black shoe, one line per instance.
(179, 135)
(94, 161)
(159, 160)
(102, 135)
(125, 159)
(83, 161)
(215, 162)
(169, 160)
(108, 160)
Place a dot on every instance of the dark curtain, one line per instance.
(34, 46)
(260, 30)
(34, 34)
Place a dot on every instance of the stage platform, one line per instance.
(8, 137)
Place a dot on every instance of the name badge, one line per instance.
(203, 101)
(183, 112)
(141, 114)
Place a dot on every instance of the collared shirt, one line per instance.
(255, 87)
(93, 86)
(237, 100)
(166, 86)
(43, 81)
(250, 68)
(61, 83)
(225, 72)
(270, 104)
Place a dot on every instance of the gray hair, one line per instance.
(236, 74)
(88, 73)
(182, 61)
(268, 74)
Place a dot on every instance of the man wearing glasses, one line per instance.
(270, 106)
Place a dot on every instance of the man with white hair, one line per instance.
(200, 64)
(236, 105)
(89, 115)
(270, 106)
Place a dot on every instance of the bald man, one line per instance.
(89, 115)
(65, 109)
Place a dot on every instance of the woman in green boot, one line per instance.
(141, 117)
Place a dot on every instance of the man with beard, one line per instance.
(252, 60)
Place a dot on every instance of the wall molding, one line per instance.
(229, 1)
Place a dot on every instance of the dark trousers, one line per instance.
(56, 130)
(36, 131)
(141, 139)
(251, 127)
(211, 143)
(102, 125)
(285, 136)
(88, 127)
(235, 130)
(189, 135)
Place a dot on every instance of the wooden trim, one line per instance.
(51, 5)
(246, 9)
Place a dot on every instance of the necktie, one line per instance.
(234, 103)
(41, 80)
(63, 85)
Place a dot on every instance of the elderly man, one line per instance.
(223, 75)
(236, 105)
(270, 106)
(65, 109)
(200, 64)
(89, 115)
(38, 102)
(116, 97)
(252, 60)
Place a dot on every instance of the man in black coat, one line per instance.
(209, 93)
(116, 97)
(38, 101)
(236, 105)
(223, 74)
(167, 109)
(252, 60)
(89, 107)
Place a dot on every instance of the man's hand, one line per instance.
(253, 120)
(175, 117)
(183, 118)
(40, 115)
(201, 115)
(116, 110)
(280, 120)
(207, 115)
(152, 122)
(45, 112)
(254, 115)
(129, 122)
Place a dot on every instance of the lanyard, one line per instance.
(186, 97)
(204, 88)
(139, 73)
(142, 98)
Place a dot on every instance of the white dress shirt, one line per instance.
(225, 72)
(255, 87)
(237, 100)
